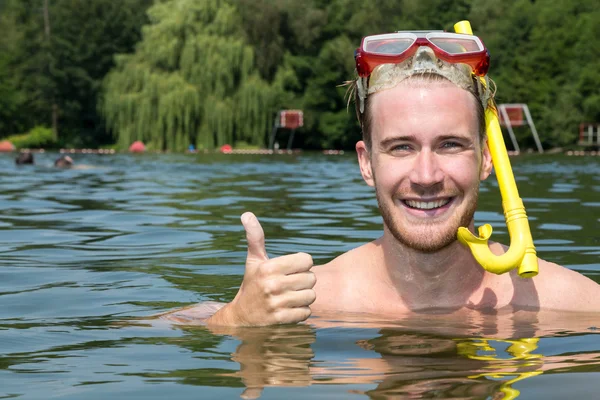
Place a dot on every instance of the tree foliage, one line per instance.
(209, 72)
(544, 54)
(192, 79)
(11, 99)
(67, 68)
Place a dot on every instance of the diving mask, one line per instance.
(383, 61)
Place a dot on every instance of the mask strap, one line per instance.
(362, 92)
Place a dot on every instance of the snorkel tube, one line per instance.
(521, 252)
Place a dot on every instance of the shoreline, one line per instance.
(511, 153)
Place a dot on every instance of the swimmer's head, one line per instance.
(64, 162)
(24, 158)
(385, 61)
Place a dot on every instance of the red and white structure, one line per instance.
(512, 115)
(287, 119)
(589, 134)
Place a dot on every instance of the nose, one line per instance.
(426, 170)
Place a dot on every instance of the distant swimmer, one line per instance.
(24, 158)
(64, 162)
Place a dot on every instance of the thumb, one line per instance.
(255, 237)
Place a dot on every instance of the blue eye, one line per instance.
(451, 145)
(401, 147)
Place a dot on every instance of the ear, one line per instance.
(364, 161)
(486, 161)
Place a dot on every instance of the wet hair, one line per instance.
(63, 162)
(24, 158)
(365, 118)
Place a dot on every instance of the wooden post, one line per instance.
(273, 133)
(291, 139)
(506, 119)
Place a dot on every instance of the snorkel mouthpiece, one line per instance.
(521, 252)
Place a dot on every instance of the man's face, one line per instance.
(425, 161)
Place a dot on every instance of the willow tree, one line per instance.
(192, 79)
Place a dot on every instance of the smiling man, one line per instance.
(420, 100)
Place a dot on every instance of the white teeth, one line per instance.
(427, 205)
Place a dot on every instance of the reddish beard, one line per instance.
(432, 240)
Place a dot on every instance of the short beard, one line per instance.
(426, 243)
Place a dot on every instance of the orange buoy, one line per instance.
(137, 147)
(226, 148)
(6, 146)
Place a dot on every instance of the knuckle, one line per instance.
(270, 287)
(279, 318)
(272, 306)
(266, 269)
(312, 279)
(306, 258)
(311, 296)
(305, 313)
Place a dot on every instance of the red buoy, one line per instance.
(137, 147)
(6, 146)
(226, 148)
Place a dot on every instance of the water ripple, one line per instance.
(85, 251)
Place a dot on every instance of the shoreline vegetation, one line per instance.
(76, 74)
(511, 153)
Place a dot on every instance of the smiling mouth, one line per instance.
(426, 205)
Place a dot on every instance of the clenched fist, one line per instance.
(274, 291)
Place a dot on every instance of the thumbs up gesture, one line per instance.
(274, 291)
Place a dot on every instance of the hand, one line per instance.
(274, 291)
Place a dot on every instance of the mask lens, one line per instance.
(388, 46)
(456, 45)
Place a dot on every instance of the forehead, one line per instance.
(423, 108)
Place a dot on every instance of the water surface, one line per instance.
(84, 252)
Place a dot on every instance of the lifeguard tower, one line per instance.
(286, 119)
(512, 115)
(589, 134)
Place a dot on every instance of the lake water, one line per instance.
(87, 252)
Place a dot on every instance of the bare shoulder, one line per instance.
(339, 279)
(554, 288)
(562, 288)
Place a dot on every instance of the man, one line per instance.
(424, 151)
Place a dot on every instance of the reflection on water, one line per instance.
(444, 357)
(88, 255)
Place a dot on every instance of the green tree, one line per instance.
(25, 65)
(330, 113)
(192, 79)
(85, 37)
(543, 54)
(330, 116)
(215, 71)
(65, 69)
(262, 23)
(567, 57)
(11, 99)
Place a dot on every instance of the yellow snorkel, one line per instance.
(521, 252)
